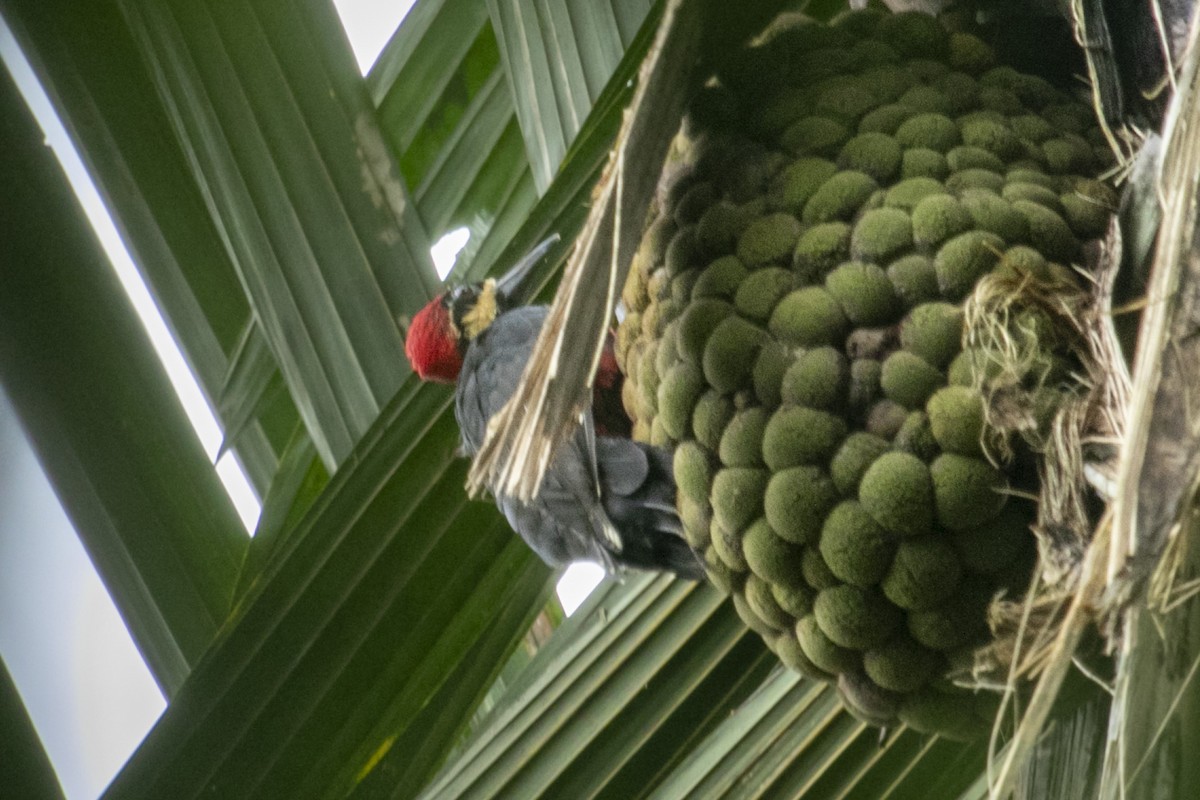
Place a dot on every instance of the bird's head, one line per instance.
(440, 332)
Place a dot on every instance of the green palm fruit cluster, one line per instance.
(794, 332)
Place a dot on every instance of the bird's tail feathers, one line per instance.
(638, 494)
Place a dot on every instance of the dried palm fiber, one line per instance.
(854, 319)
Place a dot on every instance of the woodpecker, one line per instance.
(605, 498)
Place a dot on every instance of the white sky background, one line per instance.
(369, 25)
(81, 678)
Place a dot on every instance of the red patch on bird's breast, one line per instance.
(431, 344)
(608, 411)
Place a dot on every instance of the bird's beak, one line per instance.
(511, 283)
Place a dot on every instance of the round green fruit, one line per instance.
(694, 203)
(794, 658)
(712, 413)
(728, 545)
(874, 154)
(881, 235)
(1032, 187)
(753, 621)
(820, 249)
(901, 665)
(761, 291)
(815, 571)
(814, 136)
(678, 391)
(908, 193)
(914, 34)
(730, 352)
(928, 99)
(909, 380)
(696, 325)
(885, 119)
(996, 215)
(693, 471)
(853, 459)
(768, 240)
(932, 131)
(819, 378)
(1048, 233)
(916, 437)
(774, 560)
(897, 491)
(697, 522)
(975, 178)
(725, 578)
(866, 700)
(799, 182)
(961, 90)
(995, 137)
(968, 491)
(970, 53)
(914, 279)
(924, 573)
(809, 317)
(839, 197)
(719, 227)
(855, 618)
(865, 294)
(937, 218)
(741, 442)
(1031, 128)
(921, 162)
(797, 435)
(967, 157)
(737, 496)
(949, 626)
(719, 279)
(965, 259)
(856, 548)
(1087, 217)
(773, 361)
(956, 419)
(934, 332)
(762, 602)
(797, 599)
(821, 650)
(682, 253)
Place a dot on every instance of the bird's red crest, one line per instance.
(432, 345)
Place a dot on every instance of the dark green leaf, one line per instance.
(354, 627)
(558, 55)
(615, 698)
(299, 180)
(297, 484)
(252, 379)
(107, 102)
(24, 766)
(102, 416)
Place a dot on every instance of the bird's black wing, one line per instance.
(566, 523)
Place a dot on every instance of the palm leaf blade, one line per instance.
(104, 420)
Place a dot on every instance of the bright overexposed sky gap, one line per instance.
(369, 25)
(577, 582)
(446, 250)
